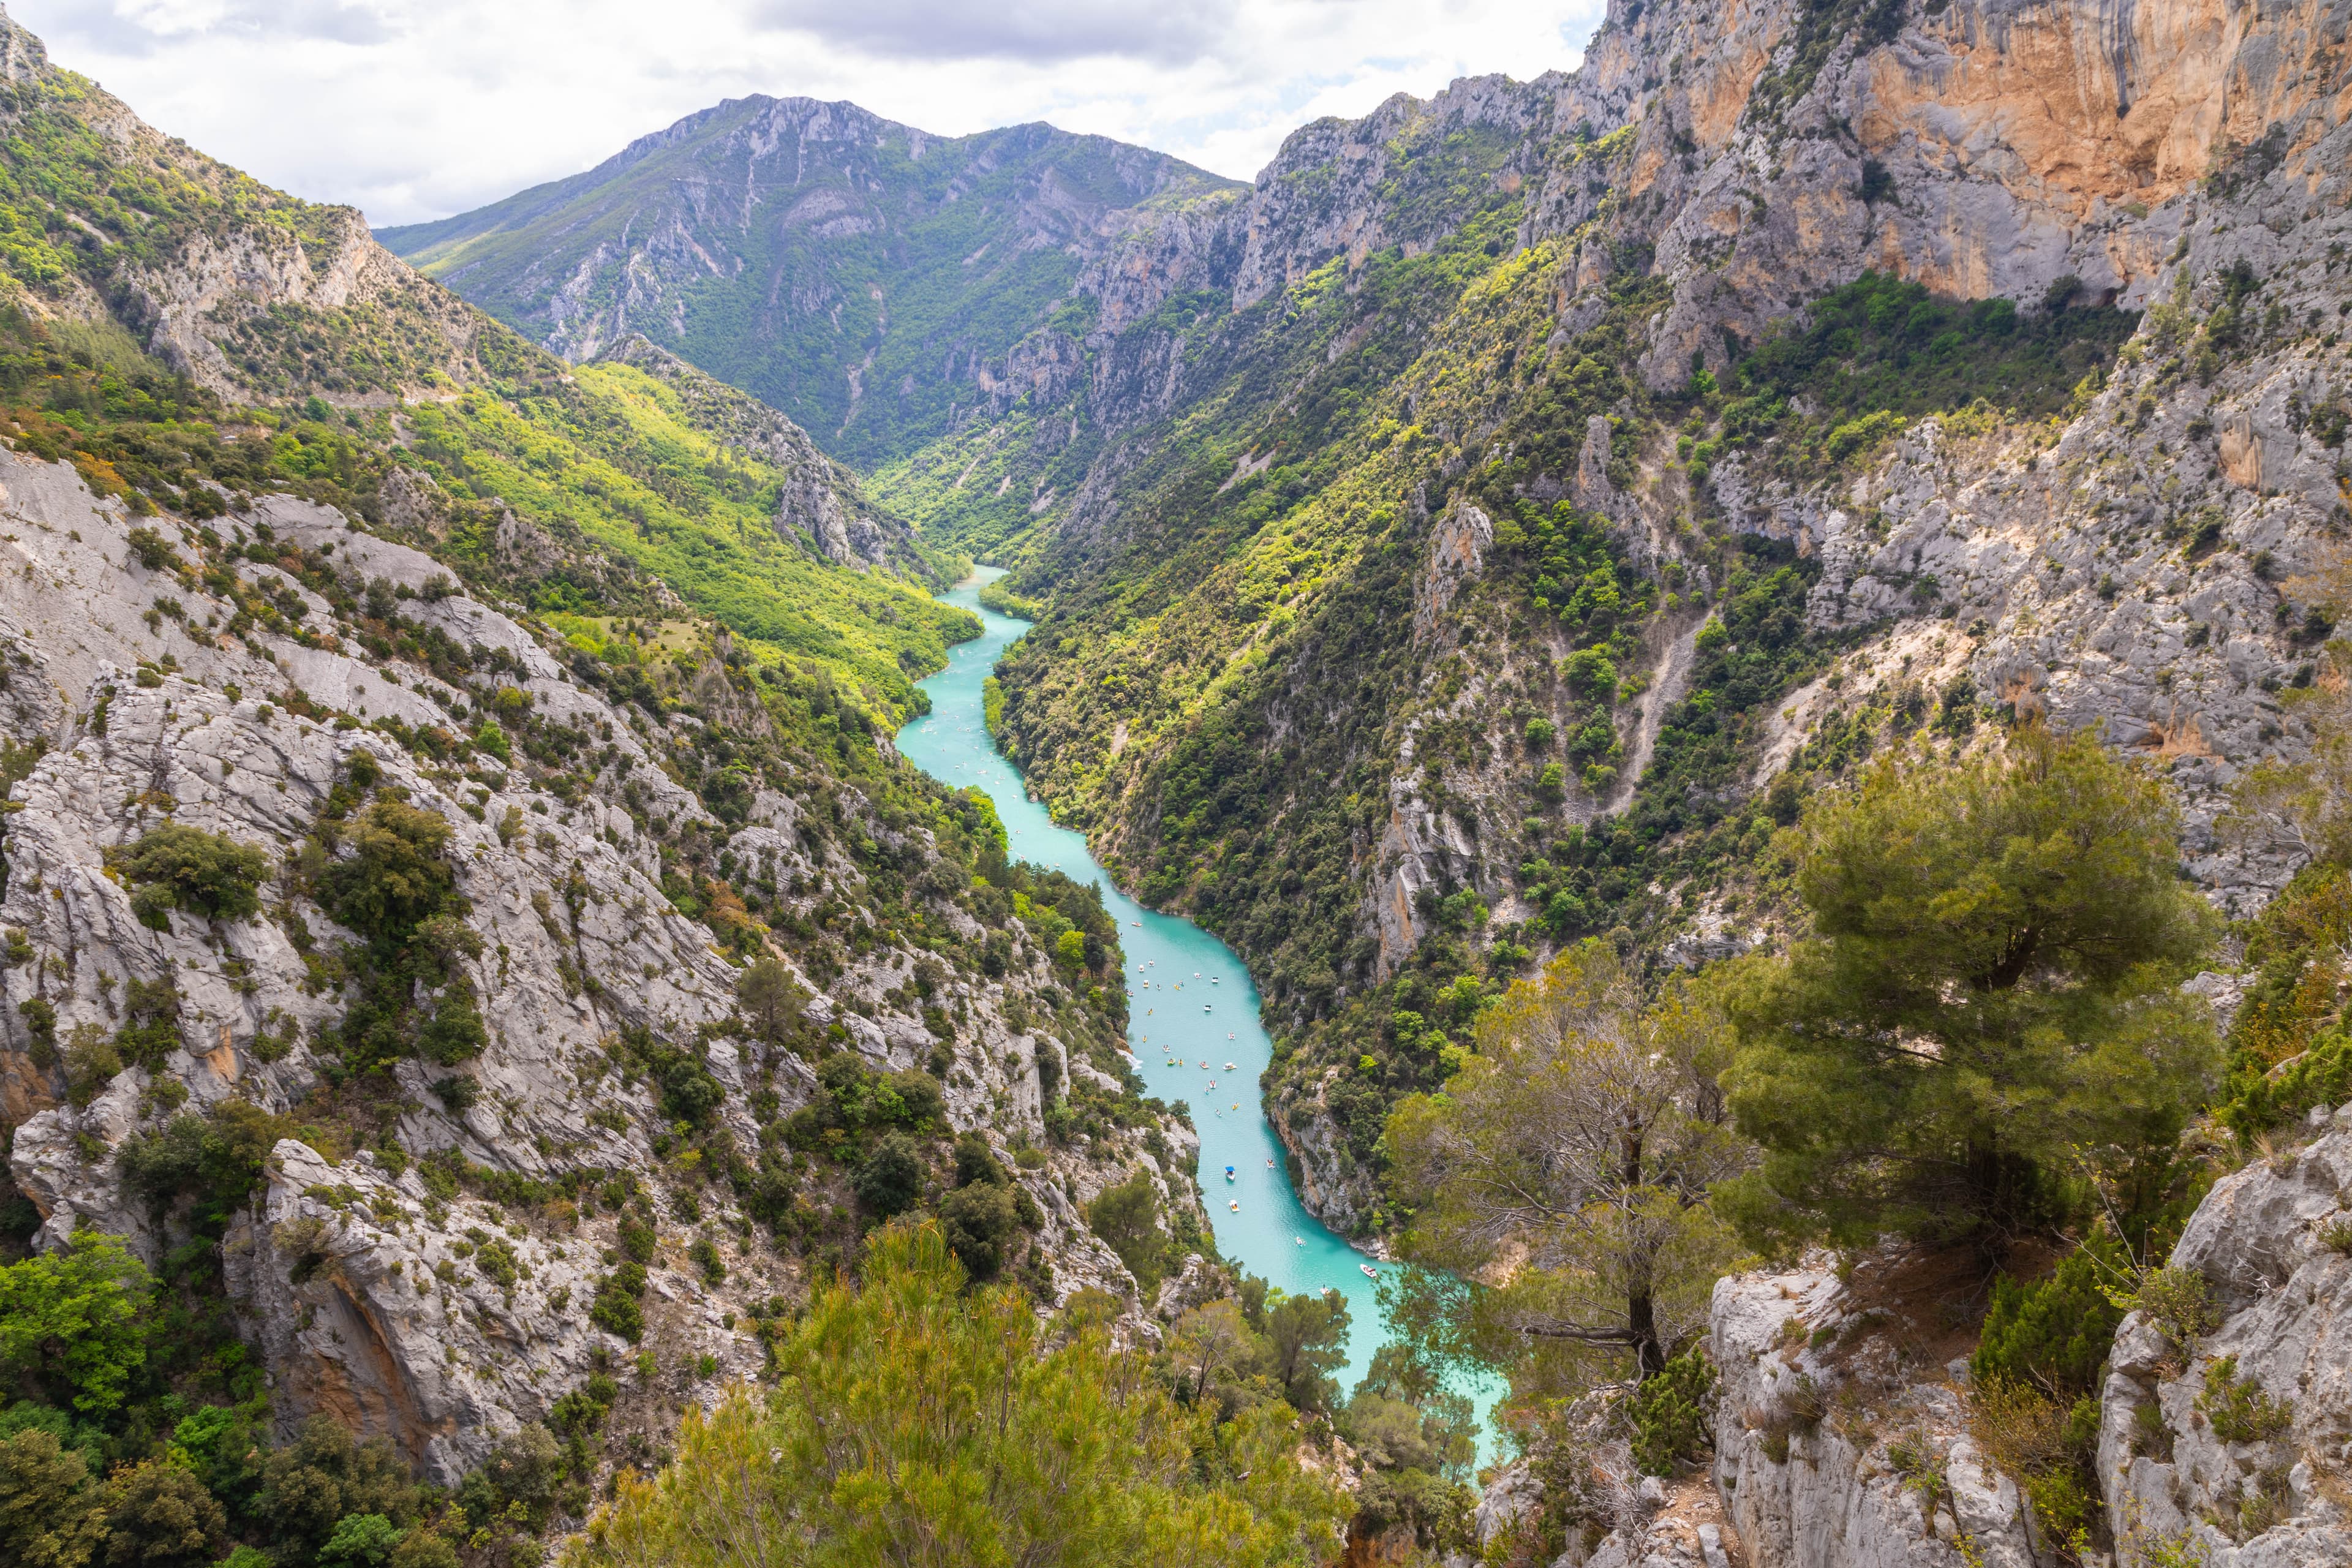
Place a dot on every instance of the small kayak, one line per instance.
(1369, 1272)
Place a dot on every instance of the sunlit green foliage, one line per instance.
(911, 1408)
(178, 867)
(69, 1322)
(1989, 985)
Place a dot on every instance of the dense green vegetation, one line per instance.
(908, 1409)
(1877, 354)
(885, 249)
(1988, 991)
(600, 461)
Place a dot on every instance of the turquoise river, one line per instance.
(1194, 1018)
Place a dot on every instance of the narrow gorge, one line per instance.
(1610, 825)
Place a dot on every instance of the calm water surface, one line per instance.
(1192, 1008)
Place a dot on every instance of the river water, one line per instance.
(1191, 1005)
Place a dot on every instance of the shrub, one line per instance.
(70, 1322)
(1592, 673)
(207, 875)
(399, 875)
(160, 1516)
(1671, 1414)
(1126, 1218)
(151, 1028)
(50, 1513)
(312, 1484)
(2239, 1410)
(360, 1541)
(454, 1033)
(92, 1063)
(2053, 1334)
(978, 1220)
(705, 1253)
(615, 1308)
(2176, 1301)
(890, 1179)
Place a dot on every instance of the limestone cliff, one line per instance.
(345, 1273)
(220, 276)
(2120, 560)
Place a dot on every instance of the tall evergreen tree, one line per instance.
(1990, 982)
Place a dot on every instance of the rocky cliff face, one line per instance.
(1840, 1440)
(377, 1291)
(2121, 559)
(2233, 1447)
(224, 279)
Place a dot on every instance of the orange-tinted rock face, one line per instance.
(2067, 104)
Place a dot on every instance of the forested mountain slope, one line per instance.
(863, 276)
(1484, 537)
(473, 956)
(1476, 535)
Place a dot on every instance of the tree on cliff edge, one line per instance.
(1990, 983)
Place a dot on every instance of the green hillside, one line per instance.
(847, 269)
(329, 400)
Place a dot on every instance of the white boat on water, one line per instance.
(1369, 1272)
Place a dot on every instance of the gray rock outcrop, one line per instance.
(2233, 1450)
(443, 1315)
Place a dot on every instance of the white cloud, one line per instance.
(417, 109)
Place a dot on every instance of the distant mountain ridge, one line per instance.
(850, 270)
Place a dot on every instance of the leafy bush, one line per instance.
(151, 1025)
(2240, 1409)
(1090, 1459)
(2178, 1301)
(1127, 1217)
(323, 1476)
(360, 1541)
(1878, 351)
(51, 1514)
(1672, 1412)
(207, 874)
(160, 1516)
(69, 1322)
(615, 1308)
(2053, 1334)
(399, 875)
(978, 1220)
(890, 1179)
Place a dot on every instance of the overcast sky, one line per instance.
(417, 109)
